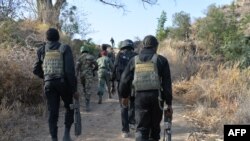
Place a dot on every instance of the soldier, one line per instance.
(111, 54)
(55, 65)
(85, 67)
(125, 54)
(105, 66)
(149, 74)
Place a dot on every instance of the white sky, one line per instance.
(140, 20)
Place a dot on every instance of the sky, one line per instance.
(138, 20)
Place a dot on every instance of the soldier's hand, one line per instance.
(169, 111)
(76, 96)
(125, 102)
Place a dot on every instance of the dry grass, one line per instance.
(182, 64)
(221, 98)
(21, 100)
(219, 93)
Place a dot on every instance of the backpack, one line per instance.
(123, 60)
(53, 61)
(146, 75)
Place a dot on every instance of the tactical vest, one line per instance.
(53, 62)
(146, 75)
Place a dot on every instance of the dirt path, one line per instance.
(103, 123)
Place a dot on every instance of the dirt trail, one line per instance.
(103, 123)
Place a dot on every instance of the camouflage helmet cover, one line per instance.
(84, 49)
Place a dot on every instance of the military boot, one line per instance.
(110, 94)
(54, 139)
(66, 136)
(87, 105)
(100, 99)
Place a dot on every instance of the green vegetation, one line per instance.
(181, 26)
(160, 31)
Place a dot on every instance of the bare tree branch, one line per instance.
(59, 4)
(151, 2)
(114, 4)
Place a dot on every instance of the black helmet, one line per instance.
(127, 43)
(150, 41)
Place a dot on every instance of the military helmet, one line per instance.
(127, 43)
(84, 49)
(150, 41)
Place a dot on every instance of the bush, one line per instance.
(220, 98)
(17, 83)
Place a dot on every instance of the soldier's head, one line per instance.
(150, 42)
(104, 46)
(127, 44)
(52, 34)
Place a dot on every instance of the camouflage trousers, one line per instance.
(103, 78)
(87, 81)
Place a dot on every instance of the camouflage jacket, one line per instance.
(105, 63)
(86, 64)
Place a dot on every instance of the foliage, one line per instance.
(223, 34)
(212, 28)
(69, 21)
(9, 32)
(91, 46)
(18, 83)
(181, 26)
(160, 31)
(8, 9)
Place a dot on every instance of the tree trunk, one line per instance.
(49, 13)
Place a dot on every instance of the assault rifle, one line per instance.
(167, 116)
(77, 116)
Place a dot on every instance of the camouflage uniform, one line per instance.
(105, 66)
(85, 66)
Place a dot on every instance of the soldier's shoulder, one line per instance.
(41, 49)
(65, 47)
(162, 59)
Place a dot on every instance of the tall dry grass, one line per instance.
(219, 93)
(221, 98)
(183, 64)
(21, 98)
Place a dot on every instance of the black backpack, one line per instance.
(123, 59)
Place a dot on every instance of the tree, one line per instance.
(68, 21)
(182, 24)
(8, 8)
(160, 31)
(48, 12)
(211, 29)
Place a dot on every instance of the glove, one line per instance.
(125, 102)
(76, 96)
(169, 111)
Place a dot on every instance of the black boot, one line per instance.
(54, 139)
(100, 99)
(87, 105)
(110, 95)
(66, 136)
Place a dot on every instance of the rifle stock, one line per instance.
(77, 117)
(167, 136)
